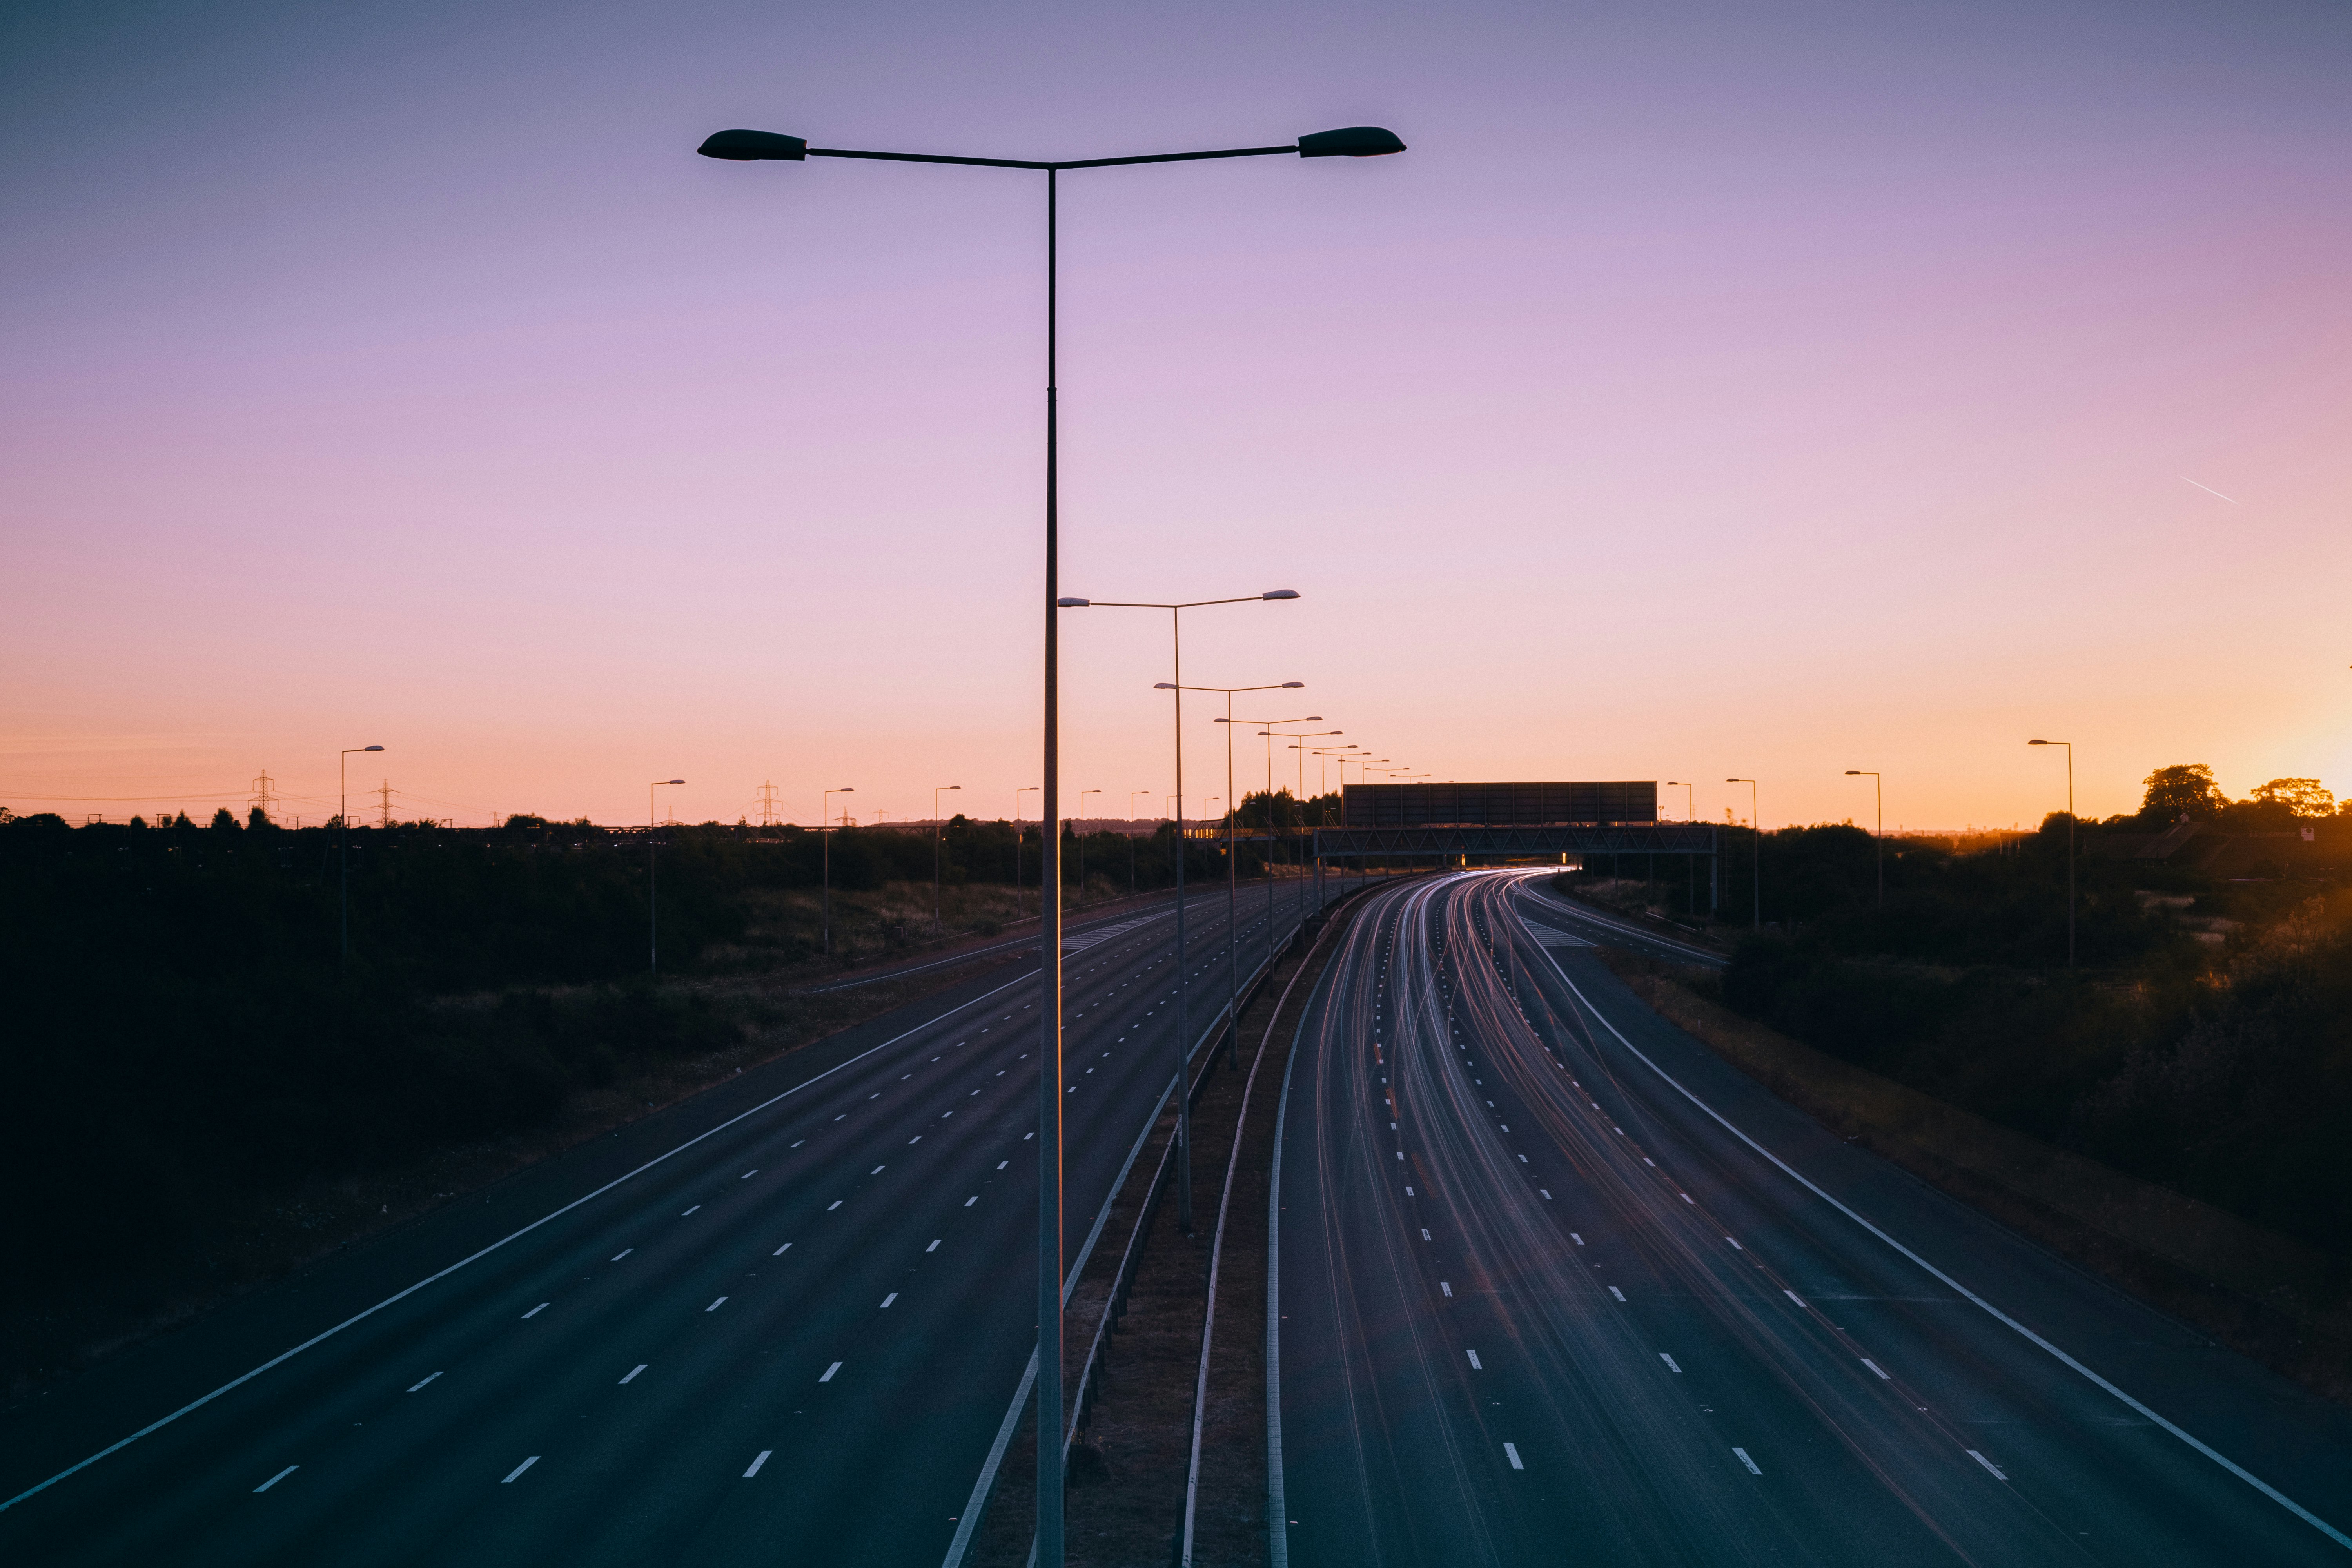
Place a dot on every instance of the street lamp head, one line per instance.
(753, 146)
(1072, 604)
(1291, 685)
(1854, 772)
(673, 781)
(846, 789)
(370, 748)
(2037, 743)
(1164, 686)
(1349, 141)
(1279, 593)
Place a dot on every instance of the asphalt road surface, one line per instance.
(1557, 1285)
(784, 1321)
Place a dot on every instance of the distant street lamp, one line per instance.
(937, 832)
(1078, 831)
(825, 837)
(1183, 969)
(1025, 789)
(653, 873)
(2070, 842)
(1879, 784)
(344, 824)
(1690, 862)
(1756, 844)
(1132, 885)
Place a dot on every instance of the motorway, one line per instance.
(786, 1320)
(1556, 1284)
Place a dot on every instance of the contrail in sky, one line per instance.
(2210, 490)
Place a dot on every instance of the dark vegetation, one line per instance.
(2203, 1039)
(181, 1034)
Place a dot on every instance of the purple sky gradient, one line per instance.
(1758, 391)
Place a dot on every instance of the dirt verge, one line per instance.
(2284, 1304)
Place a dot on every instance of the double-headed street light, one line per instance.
(1184, 972)
(653, 883)
(1879, 836)
(744, 146)
(343, 825)
(2070, 842)
(1756, 845)
(825, 837)
(938, 831)
(1229, 722)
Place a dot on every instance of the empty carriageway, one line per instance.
(786, 1319)
(1555, 1284)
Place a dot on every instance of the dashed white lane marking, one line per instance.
(715, 1305)
(535, 1312)
(633, 1371)
(278, 1477)
(1688, 1199)
(874, 1172)
(798, 1144)
(1475, 1364)
(1647, 1160)
(1511, 1452)
(1671, 1364)
(1547, 1193)
(1875, 1367)
(519, 1468)
(890, 1297)
(1425, 1233)
(835, 1204)
(1792, 1296)
(1735, 1246)
(427, 1378)
(971, 1200)
(1408, 1191)
(842, 1117)
(782, 1251)
(1001, 1163)
(1616, 1292)
(622, 1253)
(1399, 1153)
(757, 1460)
(934, 1247)
(1576, 1239)
(1747, 1461)
(829, 1372)
(690, 1211)
(915, 1140)
(1445, 1287)
(1987, 1464)
(1618, 1131)
(748, 1174)
(1523, 1159)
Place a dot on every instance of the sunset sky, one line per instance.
(1711, 390)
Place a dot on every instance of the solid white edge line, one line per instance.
(969, 1519)
(278, 1477)
(1987, 1464)
(283, 1356)
(2268, 1490)
(829, 1372)
(520, 1469)
(1753, 1468)
(1511, 1452)
(757, 1460)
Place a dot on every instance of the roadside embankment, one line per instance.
(2279, 1301)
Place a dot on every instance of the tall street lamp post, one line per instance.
(938, 831)
(1176, 689)
(1877, 783)
(1299, 744)
(1756, 846)
(653, 882)
(343, 825)
(2070, 842)
(746, 146)
(825, 837)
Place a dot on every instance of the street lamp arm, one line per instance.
(741, 146)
